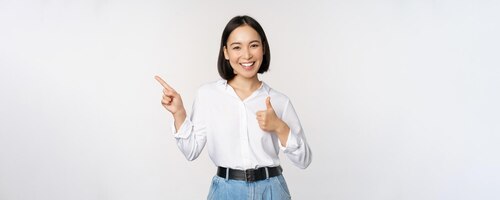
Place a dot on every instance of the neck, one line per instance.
(248, 84)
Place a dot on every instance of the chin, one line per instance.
(247, 75)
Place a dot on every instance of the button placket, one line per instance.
(244, 135)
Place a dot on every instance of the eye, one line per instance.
(254, 45)
(236, 48)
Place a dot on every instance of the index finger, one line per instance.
(163, 83)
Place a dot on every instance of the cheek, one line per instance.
(233, 56)
(233, 60)
(258, 51)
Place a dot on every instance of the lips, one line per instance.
(247, 65)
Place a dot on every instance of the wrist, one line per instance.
(180, 115)
(282, 132)
(282, 127)
(179, 118)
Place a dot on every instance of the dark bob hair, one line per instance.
(223, 65)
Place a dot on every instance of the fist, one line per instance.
(268, 121)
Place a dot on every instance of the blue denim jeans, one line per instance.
(274, 188)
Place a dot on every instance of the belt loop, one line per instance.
(267, 173)
(227, 173)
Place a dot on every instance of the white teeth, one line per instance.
(247, 64)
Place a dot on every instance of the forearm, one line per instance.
(295, 147)
(282, 132)
(179, 118)
(189, 135)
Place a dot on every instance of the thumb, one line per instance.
(268, 103)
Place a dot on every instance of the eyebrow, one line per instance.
(240, 42)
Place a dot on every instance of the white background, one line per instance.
(399, 99)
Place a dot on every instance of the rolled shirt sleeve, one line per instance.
(296, 149)
(191, 136)
(184, 130)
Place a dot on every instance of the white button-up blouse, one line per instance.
(229, 128)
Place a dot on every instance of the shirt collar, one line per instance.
(263, 88)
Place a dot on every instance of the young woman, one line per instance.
(243, 121)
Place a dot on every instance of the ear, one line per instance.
(225, 53)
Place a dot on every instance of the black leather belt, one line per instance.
(249, 175)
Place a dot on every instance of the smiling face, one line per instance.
(244, 50)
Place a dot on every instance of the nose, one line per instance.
(247, 54)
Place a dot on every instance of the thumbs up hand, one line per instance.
(268, 121)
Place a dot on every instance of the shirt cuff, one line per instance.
(292, 143)
(185, 129)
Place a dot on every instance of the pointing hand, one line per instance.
(172, 100)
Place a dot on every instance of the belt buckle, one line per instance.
(250, 175)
